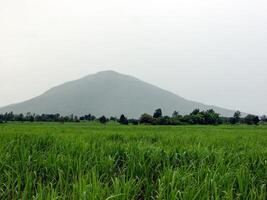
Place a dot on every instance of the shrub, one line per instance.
(252, 119)
(146, 119)
(157, 113)
(103, 120)
(123, 120)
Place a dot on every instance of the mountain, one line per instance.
(108, 93)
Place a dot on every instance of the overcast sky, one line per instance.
(212, 51)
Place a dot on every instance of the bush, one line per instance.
(232, 120)
(264, 118)
(123, 120)
(134, 121)
(252, 119)
(163, 121)
(113, 119)
(103, 120)
(157, 113)
(147, 119)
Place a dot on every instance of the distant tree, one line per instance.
(211, 117)
(146, 119)
(57, 117)
(252, 119)
(1, 119)
(76, 119)
(236, 117)
(123, 120)
(176, 118)
(198, 118)
(187, 119)
(61, 120)
(82, 118)
(195, 112)
(72, 118)
(103, 120)
(225, 120)
(91, 118)
(264, 118)
(134, 121)
(175, 114)
(113, 119)
(256, 120)
(19, 117)
(166, 120)
(29, 117)
(67, 119)
(9, 116)
(232, 120)
(157, 113)
(88, 117)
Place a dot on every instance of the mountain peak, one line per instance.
(107, 72)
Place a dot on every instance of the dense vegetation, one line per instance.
(209, 117)
(94, 161)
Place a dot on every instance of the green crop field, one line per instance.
(93, 161)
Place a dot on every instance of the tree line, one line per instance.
(208, 117)
(29, 117)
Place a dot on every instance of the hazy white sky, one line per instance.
(212, 51)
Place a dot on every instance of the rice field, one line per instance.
(94, 161)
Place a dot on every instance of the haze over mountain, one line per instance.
(108, 93)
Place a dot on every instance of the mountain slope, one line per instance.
(108, 93)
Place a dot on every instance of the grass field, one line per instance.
(93, 161)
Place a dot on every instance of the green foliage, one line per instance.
(237, 116)
(211, 117)
(91, 161)
(146, 119)
(195, 112)
(157, 113)
(123, 120)
(264, 118)
(208, 117)
(134, 121)
(88, 117)
(113, 119)
(103, 120)
(252, 120)
(175, 114)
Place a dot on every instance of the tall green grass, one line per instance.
(92, 161)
